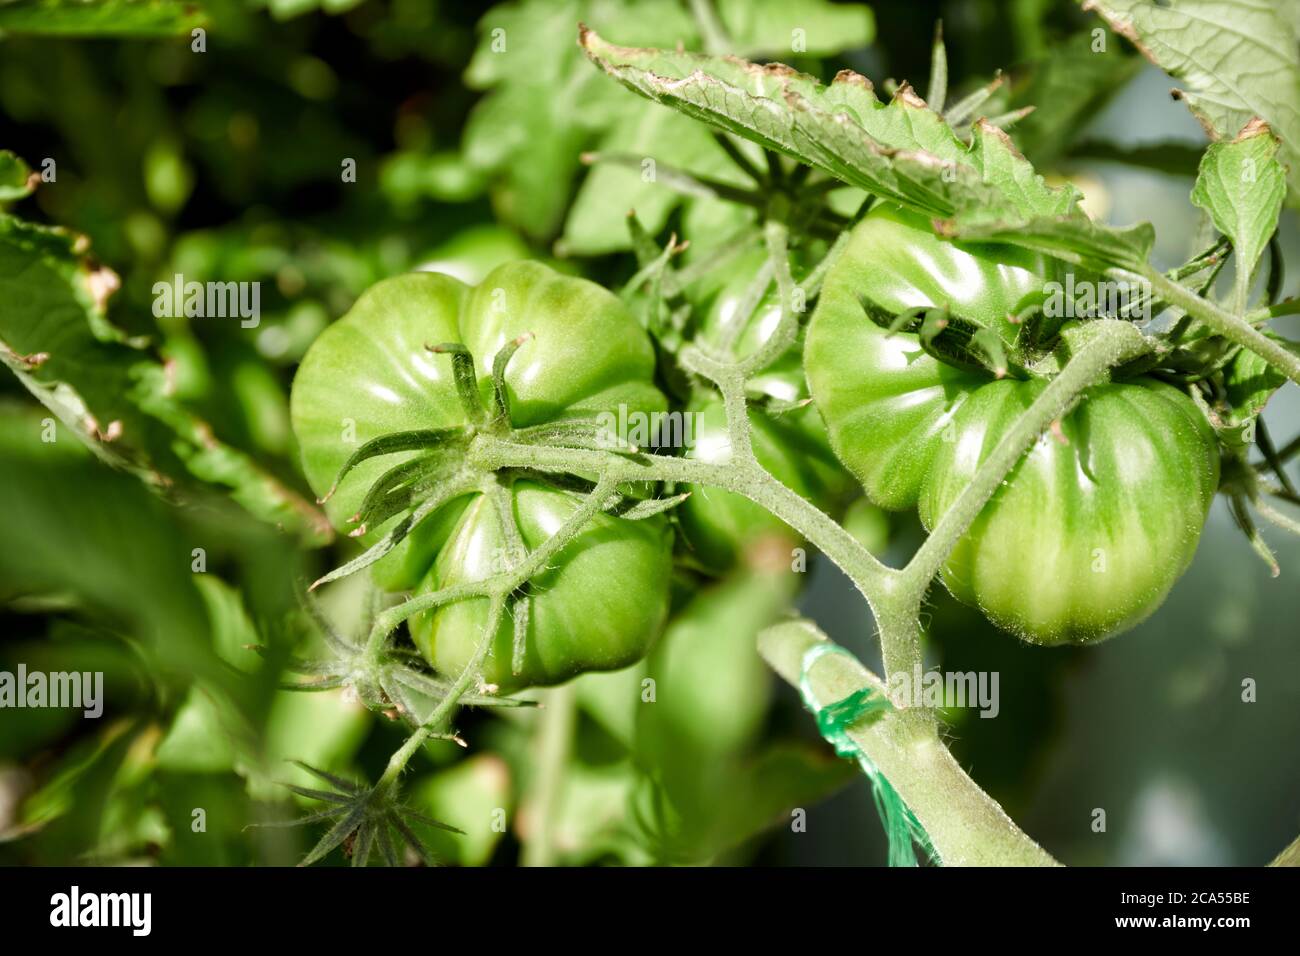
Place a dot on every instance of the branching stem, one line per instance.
(1232, 327)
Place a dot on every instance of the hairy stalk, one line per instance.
(442, 713)
(900, 633)
(1290, 856)
(1232, 327)
(744, 477)
(966, 825)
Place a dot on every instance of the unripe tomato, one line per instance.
(599, 609)
(1083, 539)
(1090, 530)
(604, 599)
(884, 400)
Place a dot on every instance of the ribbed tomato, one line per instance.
(605, 598)
(1089, 532)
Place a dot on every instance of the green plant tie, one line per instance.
(833, 720)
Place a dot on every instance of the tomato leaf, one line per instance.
(101, 18)
(1076, 240)
(783, 777)
(1076, 79)
(1239, 59)
(772, 26)
(597, 223)
(16, 179)
(902, 150)
(543, 104)
(1249, 382)
(110, 392)
(1242, 185)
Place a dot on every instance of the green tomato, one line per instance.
(885, 402)
(792, 446)
(604, 599)
(1091, 529)
(599, 608)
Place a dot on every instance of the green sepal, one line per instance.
(585, 433)
(394, 537)
(632, 509)
(463, 374)
(500, 397)
(388, 445)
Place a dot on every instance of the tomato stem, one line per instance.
(966, 826)
(1232, 327)
(442, 713)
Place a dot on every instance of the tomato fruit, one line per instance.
(1090, 530)
(600, 609)
(884, 400)
(604, 599)
(791, 445)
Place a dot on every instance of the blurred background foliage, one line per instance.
(226, 165)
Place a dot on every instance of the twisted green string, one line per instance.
(833, 720)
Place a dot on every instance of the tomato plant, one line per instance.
(471, 422)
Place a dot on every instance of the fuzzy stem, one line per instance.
(900, 633)
(397, 762)
(966, 825)
(746, 478)
(1232, 327)
(1290, 856)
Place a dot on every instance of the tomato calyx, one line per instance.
(497, 418)
(968, 345)
(400, 686)
(363, 820)
(366, 819)
(443, 468)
